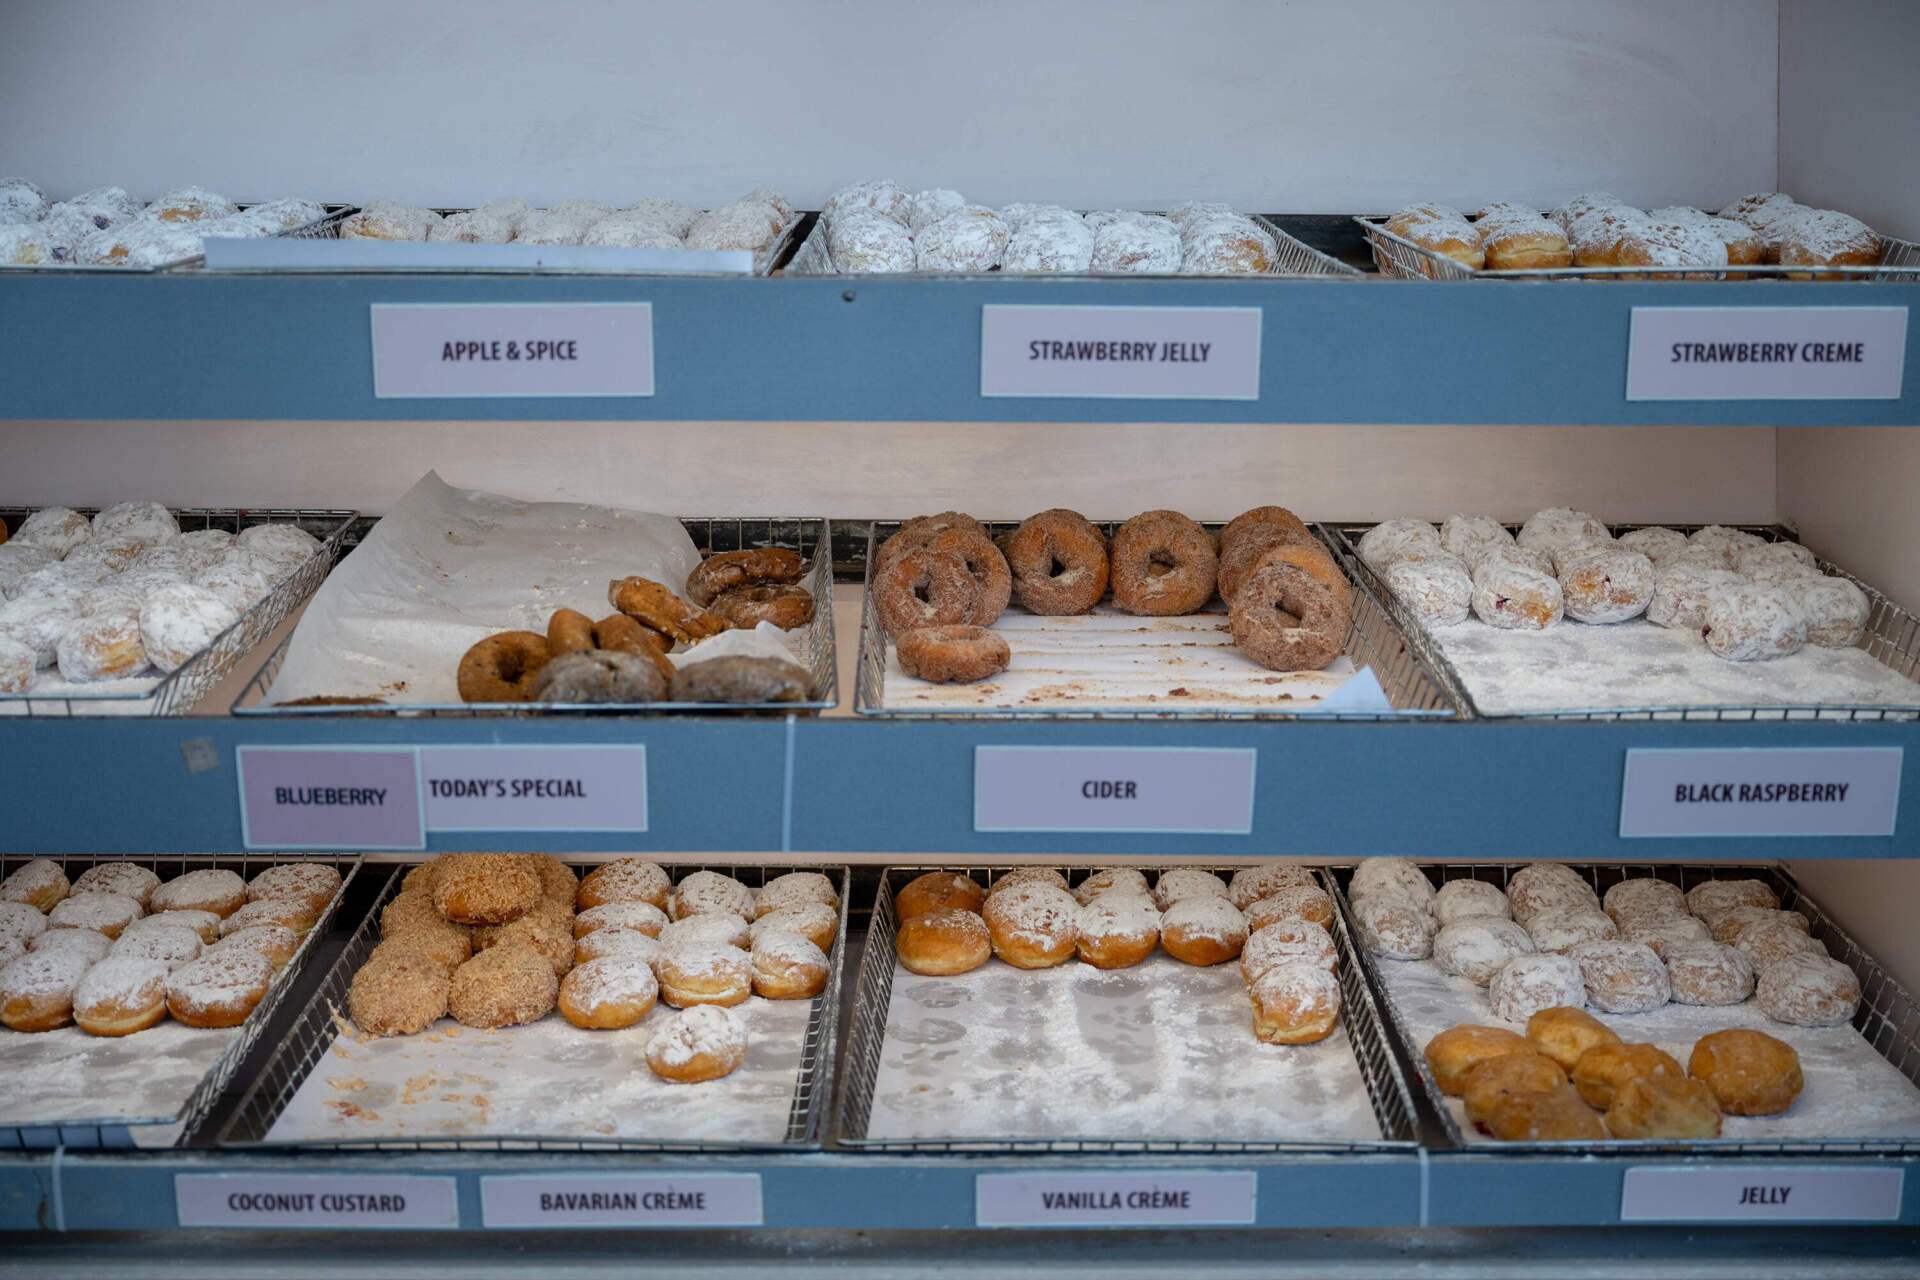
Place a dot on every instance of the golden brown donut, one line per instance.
(120, 995)
(569, 631)
(289, 913)
(1750, 1072)
(420, 876)
(993, 583)
(608, 994)
(1286, 619)
(1202, 931)
(105, 913)
(814, 921)
(919, 531)
(1301, 902)
(1664, 1107)
(1551, 1115)
(1457, 1050)
(958, 654)
(1058, 562)
(1115, 930)
(36, 990)
(787, 967)
(662, 610)
(314, 883)
(485, 888)
(1564, 1034)
(1244, 556)
(41, 884)
(702, 1043)
(624, 880)
(734, 570)
(1161, 564)
(221, 892)
(1026, 875)
(938, 891)
(1295, 1004)
(1492, 1078)
(943, 941)
(617, 633)
(503, 986)
(1271, 517)
(794, 889)
(502, 667)
(1032, 925)
(923, 588)
(275, 943)
(704, 973)
(642, 917)
(1287, 942)
(549, 935)
(218, 990)
(412, 912)
(1605, 1067)
(127, 879)
(397, 992)
(787, 606)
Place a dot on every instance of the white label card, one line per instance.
(1114, 1199)
(1762, 791)
(1140, 353)
(560, 788)
(1779, 1193)
(512, 349)
(348, 1201)
(1199, 790)
(1767, 353)
(622, 1200)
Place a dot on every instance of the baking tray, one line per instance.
(1385, 1086)
(327, 226)
(1399, 658)
(1888, 1019)
(1293, 259)
(178, 691)
(1892, 639)
(164, 1123)
(306, 1046)
(1401, 259)
(806, 534)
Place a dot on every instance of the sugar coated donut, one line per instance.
(1750, 1072)
(1457, 1050)
(943, 941)
(1565, 1033)
(314, 883)
(1775, 939)
(127, 879)
(178, 620)
(1752, 623)
(625, 944)
(1478, 947)
(1662, 931)
(741, 679)
(608, 994)
(719, 928)
(171, 946)
(1463, 899)
(205, 924)
(1681, 589)
(993, 583)
(275, 943)
(704, 973)
(485, 888)
(817, 922)
(1836, 611)
(289, 913)
(793, 889)
(1250, 884)
(82, 942)
(1642, 893)
(1161, 563)
(549, 934)
(1107, 880)
(923, 588)
(1242, 554)
(732, 570)
(1712, 899)
(1492, 1078)
(1024, 875)
(1180, 883)
(1203, 930)
(1390, 875)
(1114, 930)
(120, 995)
(1058, 560)
(786, 606)
(1605, 1067)
(956, 654)
(1708, 973)
(1032, 924)
(210, 889)
(709, 891)
(1394, 926)
(1548, 886)
(19, 923)
(703, 1043)
(1527, 984)
(1662, 1106)
(218, 990)
(1548, 1115)
(624, 880)
(39, 884)
(1730, 925)
(1516, 597)
(1622, 977)
(1301, 902)
(1562, 931)
(1290, 942)
(1295, 1004)
(1808, 990)
(503, 986)
(397, 992)
(597, 675)
(787, 966)
(36, 990)
(643, 917)
(1436, 590)
(1285, 619)
(106, 913)
(503, 667)
(938, 891)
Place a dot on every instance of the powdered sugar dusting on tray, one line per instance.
(1116, 661)
(548, 1079)
(1162, 1050)
(1851, 1091)
(68, 1076)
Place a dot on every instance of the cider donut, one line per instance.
(739, 679)
(569, 631)
(273, 942)
(1245, 555)
(608, 994)
(938, 891)
(718, 928)
(1285, 619)
(709, 891)
(942, 942)
(786, 606)
(1058, 560)
(218, 990)
(1269, 517)
(1301, 902)
(503, 986)
(126, 879)
(923, 588)
(917, 532)
(624, 880)
(1162, 564)
(1564, 1033)
(703, 1043)
(502, 667)
(1493, 1078)
(642, 917)
(624, 944)
(733, 570)
(1115, 930)
(36, 990)
(1295, 1004)
(1291, 942)
(288, 913)
(704, 973)
(218, 891)
(1550, 1115)
(1457, 1050)
(1032, 925)
(485, 888)
(314, 883)
(172, 947)
(1250, 884)
(398, 992)
(1749, 1072)
(120, 995)
(1604, 1068)
(1203, 931)
(659, 608)
(106, 913)
(40, 884)
(1111, 880)
(958, 654)
(787, 966)
(815, 921)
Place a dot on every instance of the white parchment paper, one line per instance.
(67, 1075)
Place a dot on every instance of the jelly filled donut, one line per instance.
(923, 588)
(958, 654)
(127, 879)
(209, 889)
(1059, 563)
(120, 995)
(731, 570)
(943, 942)
(1161, 564)
(502, 668)
(1285, 619)
(703, 1043)
(218, 990)
(624, 880)
(938, 891)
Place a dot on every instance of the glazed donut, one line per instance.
(40, 884)
(740, 679)
(1808, 990)
(1552, 1115)
(204, 924)
(1162, 564)
(1456, 1051)
(786, 606)
(502, 667)
(569, 631)
(120, 995)
(485, 888)
(589, 676)
(733, 570)
(1562, 931)
(1750, 1072)
(1019, 876)
(942, 942)
(503, 986)
(106, 913)
(938, 891)
(1203, 930)
(551, 936)
(1032, 925)
(314, 883)
(1058, 560)
(221, 892)
(787, 966)
(618, 633)
(703, 1043)
(1622, 977)
(398, 992)
(957, 654)
(714, 928)
(608, 994)
(1301, 902)
(704, 973)
(289, 913)
(1461, 899)
(1664, 1107)
(126, 879)
(1286, 620)
(172, 947)
(642, 917)
(1565, 1033)
(1527, 984)
(218, 990)
(709, 891)
(659, 608)
(36, 990)
(1180, 883)
(1394, 926)
(624, 880)
(1292, 942)
(1111, 880)
(1115, 930)
(1492, 1078)
(81, 942)
(923, 588)
(275, 943)
(1605, 1067)
(1295, 1004)
(1708, 973)
(815, 921)
(624, 944)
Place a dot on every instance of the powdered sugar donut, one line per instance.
(20, 922)
(18, 662)
(1202, 930)
(742, 225)
(1835, 610)
(1728, 544)
(709, 929)
(1298, 902)
(1663, 932)
(90, 944)
(1479, 947)
(1655, 542)
(56, 530)
(102, 646)
(1708, 973)
(925, 208)
(704, 1043)
(883, 197)
(21, 201)
(1560, 526)
(1114, 930)
(1643, 893)
(1560, 932)
(1712, 899)
(1394, 926)
(1750, 623)
(37, 621)
(179, 621)
(1136, 245)
(968, 239)
(1391, 875)
(237, 586)
(18, 562)
(865, 243)
(137, 524)
(1225, 244)
(33, 244)
(1180, 883)
(1622, 977)
(1033, 924)
(1775, 939)
(191, 204)
(1387, 541)
(1728, 926)
(1548, 886)
(1808, 990)
(140, 242)
(173, 945)
(1436, 591)
(288, 541)
(1680, 591)
(1466, 535)
(1527, 984)
(1820, 238)
(1464, 899)
(1057, 242)
(1516, 597)
(1111, 880)
(1601, 584)
(709, 891)
(1250, 884)
(1296, 942)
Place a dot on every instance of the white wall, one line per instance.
(1316, 105)
(1850, 108)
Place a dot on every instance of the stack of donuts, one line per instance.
(1550, 940)
(623, 657)
(118, 949)
(753, 222)
(503, 939)
(941, 581)
(1271, 918)
(1749, 599)
(106, 227)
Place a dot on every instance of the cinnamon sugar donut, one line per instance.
(923, 588)
(785, 605)
(1203, 930)
(643, 917)
(942, 942)
(485, 888)
(397, 992)
(1244, 552)
(815, 921)
(120, 995)
(1160, 563)
(1285, 619)
(732, 570)
(127, 879)
(221, 892)
(1058, 560)
(1032, 924)
(1292, 942)
(502, 668)
(921, 530)
(36, 990)
(40, 884)
(703, 1043)
(938, 891)
(1115, 930)
(608, 994)
(218, 990)
(955, 654)
(105, 913)
(1301, 902)
(503, 986)
(624, 880)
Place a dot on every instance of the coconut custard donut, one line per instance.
(1058, 560)
(1032, 925)
(954, 654)
(219, 891)
(218, 990)
(1287, 620)
(1115, 930)
(1161, 564)
(785, 605)
(397, 992)
(732, 570)
(502, 668)
(550, 935)
(624, 880)
(703, 1043)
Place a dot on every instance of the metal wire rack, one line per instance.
(178, 691)
(1888, 1017)
(807, 535)
(1403, 659)
(1892, 638)
(1401, 259)
(1386, 1085)
(197, 1106)
(324, 1019)
(323, 227)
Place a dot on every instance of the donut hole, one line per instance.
(513, 666)
(1160, 564)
